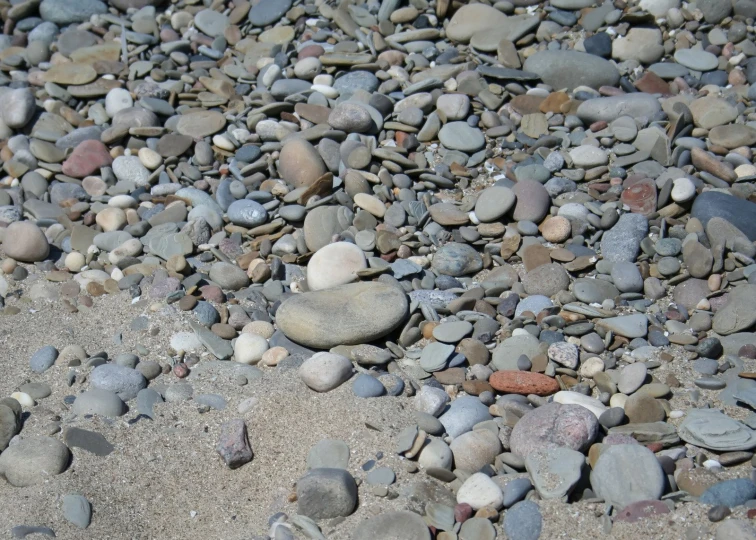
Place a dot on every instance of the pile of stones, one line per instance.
(536, 220)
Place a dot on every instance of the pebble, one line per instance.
(325, 371)
(326, 493)
(577, 429)
(77, 510)
(523, 521)
(627, 473)
(316, 319)
(33, 459)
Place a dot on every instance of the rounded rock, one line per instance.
(25, 242)
(335, 264)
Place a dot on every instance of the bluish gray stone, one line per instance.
(43, 359)
(734, 210)
(516, 490)
(146, 399)
(67, 12)
(463, 414)
(622, 242)
(523, 521)
(125, 382)
(77, 510)
(246, 213)
(730, 493)
(206, 313)
(569, 69)
(355, 80)
(608, 109)
(268, 11)
(534, 303)
(455, 259)
(100, 402)
(367, 386)
(214, 401)
(627, 277)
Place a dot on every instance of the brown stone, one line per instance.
(524, 383)
(527, 104)
(696, 481)
(474, 350)
(553, 102)
(705, 161)
(475, 388)
(95, 289)
(535, 255)
(651, 83)
(450, 376)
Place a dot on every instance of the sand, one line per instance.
(165, 481)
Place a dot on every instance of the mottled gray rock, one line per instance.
(326, 493)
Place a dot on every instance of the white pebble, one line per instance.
(327, 91)
(683, 190)
(23, 398)
(224, 143)
(712, 465)
(323, 79)
(249, 348)
(117, 100)
(150, 158)
(75, 261)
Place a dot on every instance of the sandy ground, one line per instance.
(164, 480)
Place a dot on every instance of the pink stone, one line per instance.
(86, 159)
(462, 512)
(554, 425)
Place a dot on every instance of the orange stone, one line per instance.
(523, 382)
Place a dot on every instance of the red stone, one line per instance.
(641, 197)
(751, 513)
(86, 159)
(642, 509)
(524, 383)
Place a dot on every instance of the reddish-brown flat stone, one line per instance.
(86, 159)
(641, 197)
(523, 382)
(651, 83)
(641, 509)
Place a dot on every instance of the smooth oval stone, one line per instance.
(570, 69)
(397, 525)
(456, 259)
(461, 136)
(608, 109)
(697, 60)
(345, 315)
